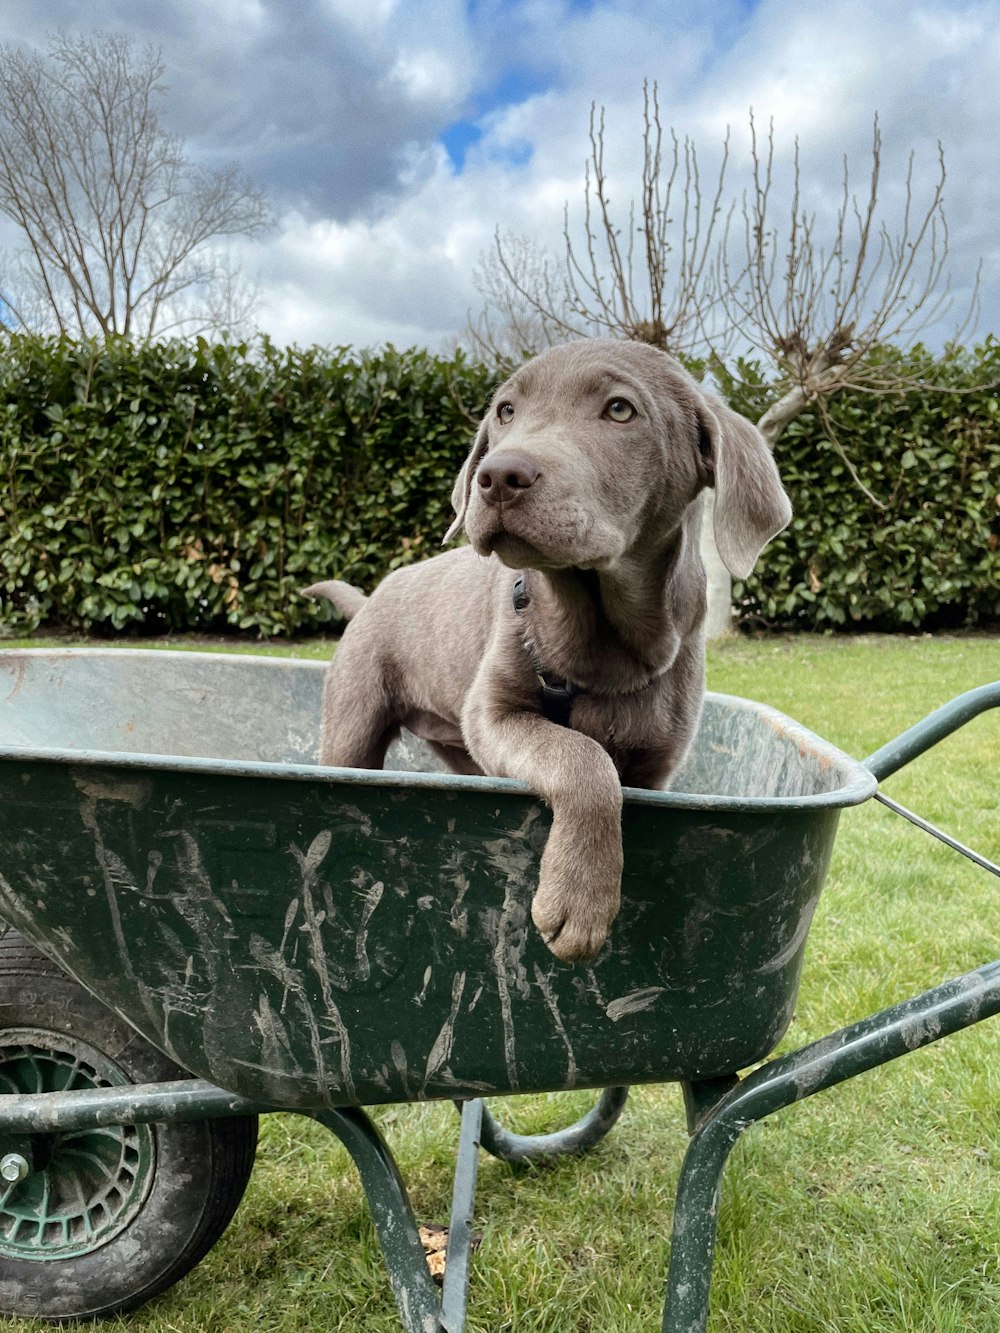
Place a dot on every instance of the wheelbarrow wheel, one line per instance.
(97, 1221)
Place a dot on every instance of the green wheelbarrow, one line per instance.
(202, 925)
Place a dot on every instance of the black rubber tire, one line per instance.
(198, 1172)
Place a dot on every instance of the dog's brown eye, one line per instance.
(505, 412)
(620, 409)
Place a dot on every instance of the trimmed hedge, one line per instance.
(925, 551)
(183, 486)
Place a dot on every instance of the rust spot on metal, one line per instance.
(18, 670)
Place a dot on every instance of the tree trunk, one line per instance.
(719, 620)
(779, 414)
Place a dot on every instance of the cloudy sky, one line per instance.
(394, 137)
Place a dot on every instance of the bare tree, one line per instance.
(117, 224)
(524, 305)
(648, 275)
(224, 307)
(814, 296)
(818, 299)
(662, 295)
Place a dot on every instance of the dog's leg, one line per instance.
(457, 759)
(652, 768)
(359, 720)
(579, 883)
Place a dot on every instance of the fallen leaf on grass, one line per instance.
(434, 1239)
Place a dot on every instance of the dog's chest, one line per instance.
(624, 723)
(431, 727)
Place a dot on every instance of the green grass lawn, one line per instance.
(872, 1208)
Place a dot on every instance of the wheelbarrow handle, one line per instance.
(934, 727)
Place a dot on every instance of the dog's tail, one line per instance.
(346, 599)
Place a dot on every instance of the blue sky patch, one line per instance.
(458, 139)
(517, 85)
(464, 134)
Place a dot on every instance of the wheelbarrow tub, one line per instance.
(315, 937)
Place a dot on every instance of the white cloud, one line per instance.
(372, 17)
(426, 76)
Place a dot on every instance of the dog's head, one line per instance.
(596, 447)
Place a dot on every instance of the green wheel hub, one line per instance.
(82, 1188)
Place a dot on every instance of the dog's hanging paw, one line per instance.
(573, 930)
(580, 879)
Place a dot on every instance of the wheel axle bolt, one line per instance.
(14, 1167)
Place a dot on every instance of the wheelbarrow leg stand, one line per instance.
(864, 1045)
(692, 1247)
(420, 1308)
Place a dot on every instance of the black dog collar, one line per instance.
(557, 694)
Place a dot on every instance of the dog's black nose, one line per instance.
(505, 476)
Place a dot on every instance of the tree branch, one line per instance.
(112, 216)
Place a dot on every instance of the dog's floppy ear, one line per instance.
(463, 486)
(751, 506)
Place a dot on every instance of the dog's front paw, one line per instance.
(574, 911)
(574, 932)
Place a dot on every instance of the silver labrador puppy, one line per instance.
(564, 645)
